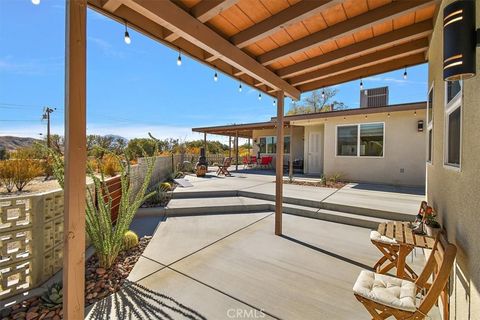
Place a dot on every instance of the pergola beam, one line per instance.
(170, 16)
(204, 11)
(368, 19)
(412, 60)
(279, 165)
(412, 32)
(298, 12)
(389, 54)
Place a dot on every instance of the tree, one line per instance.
(318, 101)
(3, 153)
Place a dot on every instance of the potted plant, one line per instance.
(432, 227)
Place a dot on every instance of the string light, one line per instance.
(240, 87)
(179, 59)
(323, 93)
(366, 117)
(361, 84)
(415, 113)
(405, 74)
(274, 102)
(259, 96)
(127, 36)
(36, 2)
(388, 115)
(215, 77)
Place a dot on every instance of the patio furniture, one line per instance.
(296, 165)
(223, 168)
(266, 162)
(253, 161)
(384, 296)
(396, 239)
(245, 161)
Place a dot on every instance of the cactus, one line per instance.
(130, 240)
(166, 186)
(52, 299)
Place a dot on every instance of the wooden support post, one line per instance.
(249, 147)
(205, 143)
(230, 146)
(236, 150)
(291, 158)
(279, 165)
(75, 160)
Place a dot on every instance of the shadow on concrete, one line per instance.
(146, 225)
(135, 301)
(419, 191)
(328, 253)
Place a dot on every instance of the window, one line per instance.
(371, 140)
(430, 125)
(362, 140)
(453, 124)
(269, 144)
(347, 137)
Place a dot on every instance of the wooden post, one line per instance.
(230, 146)
(249, 147)
(205, 142)
(75, 160)
(279, 165)
(236, 150)
(291, 158)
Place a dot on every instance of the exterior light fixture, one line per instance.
(459, 40)
(127, 36)
(405, 74)
(361, 84)
(240, 87)
(259, 96)
(36, 2)
(179, 59)
(215, 76)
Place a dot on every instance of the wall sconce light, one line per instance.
(459, 40)
(420, 125)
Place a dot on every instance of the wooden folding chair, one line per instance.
(223, 168)
(385, 296)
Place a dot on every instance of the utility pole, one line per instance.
(46, 116)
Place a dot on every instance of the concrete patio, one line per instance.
(232, 266)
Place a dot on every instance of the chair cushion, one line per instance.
(376, 236)
(389, 291)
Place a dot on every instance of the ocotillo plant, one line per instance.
(105, 235)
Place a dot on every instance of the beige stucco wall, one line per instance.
(456, 194)
(296, 143)
(404, 148)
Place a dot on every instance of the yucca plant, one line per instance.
(52, 298)
(106, 235)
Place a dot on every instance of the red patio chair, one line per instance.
(253, 161)
(245, 162)
(266, 162)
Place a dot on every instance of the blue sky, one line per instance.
(136, 88)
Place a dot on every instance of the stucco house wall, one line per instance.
(404, 151)
(455, 194)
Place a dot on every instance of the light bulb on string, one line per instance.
(361, 84)
(127, 36)
(179, 59)
(405, 74)
(36, 2)
(323, 93)
(240, 87)
(215, 77)
(259, 96)
(274, 102)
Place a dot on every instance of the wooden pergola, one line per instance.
(280, 47)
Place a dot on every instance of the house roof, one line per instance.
(286, 45)
(245, 130)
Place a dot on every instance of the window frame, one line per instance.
(451, 106)
(267, 143)
(359, 124)
(430, 146)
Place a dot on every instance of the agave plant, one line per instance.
(52, 298)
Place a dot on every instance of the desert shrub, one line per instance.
(3, 153)
(25, 170)
(162, 195)
(110, 165)
(336, 177)
(7, 176)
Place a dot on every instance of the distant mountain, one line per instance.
(12, 143)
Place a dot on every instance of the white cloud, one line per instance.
(106, 47)
(393, 80)
(9, 64)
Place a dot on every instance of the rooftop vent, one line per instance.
(375, 97)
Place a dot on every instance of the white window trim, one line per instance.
(450, 107)
(430, 148)
(358, 140)
(266, 146)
